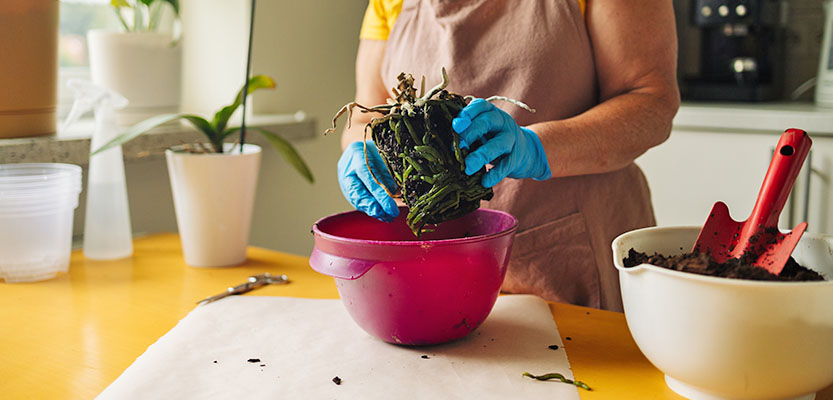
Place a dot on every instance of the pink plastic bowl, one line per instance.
(412, 291)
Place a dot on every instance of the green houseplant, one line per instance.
(217, 130)
(146, 15)
(214, 182)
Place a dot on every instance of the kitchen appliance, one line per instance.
(724, 238)
(824, 81)
(415, 291)
(741, 50)
(721, 338)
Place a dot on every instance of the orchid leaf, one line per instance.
(153, 122)
(256, 82)
(284, 148)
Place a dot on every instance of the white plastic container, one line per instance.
(37, 205)
(719, 338)
(35, 247)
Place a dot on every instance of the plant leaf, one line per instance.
(202, 124)
(285, 149)
(152, 122)
(117, 6)
(557, 376)
(256, 82)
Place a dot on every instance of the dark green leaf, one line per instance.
(153, 122)
(286, 150)
(256, 82)
(204, 126)
(559, 377)
(147, 2)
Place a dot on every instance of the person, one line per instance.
(602, 77)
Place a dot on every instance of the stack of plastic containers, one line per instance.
(37, 204)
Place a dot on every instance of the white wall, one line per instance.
(309, 48)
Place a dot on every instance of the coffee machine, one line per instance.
(741, 50)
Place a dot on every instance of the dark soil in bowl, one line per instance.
(701, 263)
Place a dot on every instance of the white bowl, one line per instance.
(720, 338)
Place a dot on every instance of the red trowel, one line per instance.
(758, 240)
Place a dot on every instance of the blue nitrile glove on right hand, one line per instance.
(358, 186)
(513, 151)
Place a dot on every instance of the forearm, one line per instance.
(636, 65)
(610, 135)
(355, 131)
(370, 90)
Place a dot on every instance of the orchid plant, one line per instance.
(217, 131)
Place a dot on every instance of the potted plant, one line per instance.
(214, 182)
(143, 62)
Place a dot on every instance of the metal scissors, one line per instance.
(254, 282)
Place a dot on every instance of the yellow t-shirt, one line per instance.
(381, 14)
(379, 19)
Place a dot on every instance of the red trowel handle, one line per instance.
(789, 156)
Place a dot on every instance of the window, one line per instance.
(76, 18)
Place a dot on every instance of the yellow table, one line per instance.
(69, 337)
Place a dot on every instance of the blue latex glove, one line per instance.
(358, 186)
(513, 151)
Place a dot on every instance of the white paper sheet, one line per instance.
(302, 344)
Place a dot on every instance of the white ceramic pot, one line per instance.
(719, 338)
(144, 67)
(213, 199)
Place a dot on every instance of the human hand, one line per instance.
(513, 151)
(358, 185)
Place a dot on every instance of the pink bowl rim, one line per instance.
(415, 243)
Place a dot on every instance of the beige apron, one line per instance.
(536, 51)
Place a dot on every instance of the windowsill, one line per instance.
(73, 147)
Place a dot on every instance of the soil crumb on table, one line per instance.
(701, 263)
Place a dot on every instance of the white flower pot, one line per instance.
(213, 199)
(144, 67)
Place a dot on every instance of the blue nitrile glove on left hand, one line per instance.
(358, 186)
(513, 151)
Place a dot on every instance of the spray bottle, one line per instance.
(107, 231)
